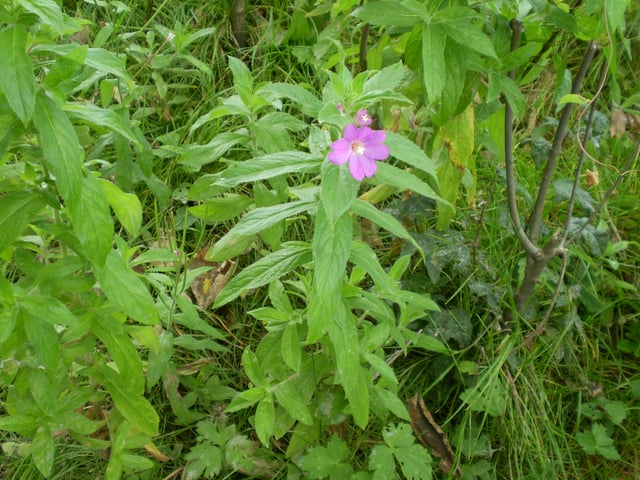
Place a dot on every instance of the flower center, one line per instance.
(357, 147)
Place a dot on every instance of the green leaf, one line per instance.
(49, 309)
(106, 62)
(125, 290)
(383, 13)
(404, 180)
(257, 220)
(253, 369)
(414, 460)
(408, 152)
(48, 11)
(245, 399)
(265, 270)
(205, 460)
(17, 80)
(598, 442)
(43, 450)
(122, 350)
(307, 101)
(293, 403)
(44, 339)
(102, 117)
(382, 463)
(92, 222)
(434, 68)
(461, 24)
(242, 79)
(17, 210)
(268, 166)
(338, 190)
(290, 347)
(265, 419)
(385, 220)
(61, 149)
(126, 206)
(196, 156)
(331, 246)
(320, 462)
(132, 405)
(221, 209)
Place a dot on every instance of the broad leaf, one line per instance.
(102, 117)
(126, 206)
(133, 406)
(265, 270)
(267, 166)
(383, 13)
(48, 12)
(125, 290)
(43, 449)
(92, 221)
(61, 149)
(433, 60)
(17, 78)
(17, 210)
(257, 220)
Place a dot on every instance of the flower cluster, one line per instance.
(360, 146)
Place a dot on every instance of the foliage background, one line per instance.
(141, 148)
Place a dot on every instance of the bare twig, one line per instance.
(528, 245)
(535, 220)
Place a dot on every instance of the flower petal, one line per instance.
(376, 152)
(360, 167)
(351, 132)
(339, 156)
(363, 117)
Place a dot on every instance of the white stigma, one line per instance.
(357, 148)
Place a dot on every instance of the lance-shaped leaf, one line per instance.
(17, 80)
(61, 149)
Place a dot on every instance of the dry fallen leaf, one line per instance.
(618, 124)
(591, 178)
(430, 434)
(207, 287)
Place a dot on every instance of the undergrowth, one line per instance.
(252, 381)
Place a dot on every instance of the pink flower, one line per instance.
(363, 117)
(361, 147)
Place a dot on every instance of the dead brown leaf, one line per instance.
(618, 124)
(430, 434)
(207, 287)
(591, 178)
